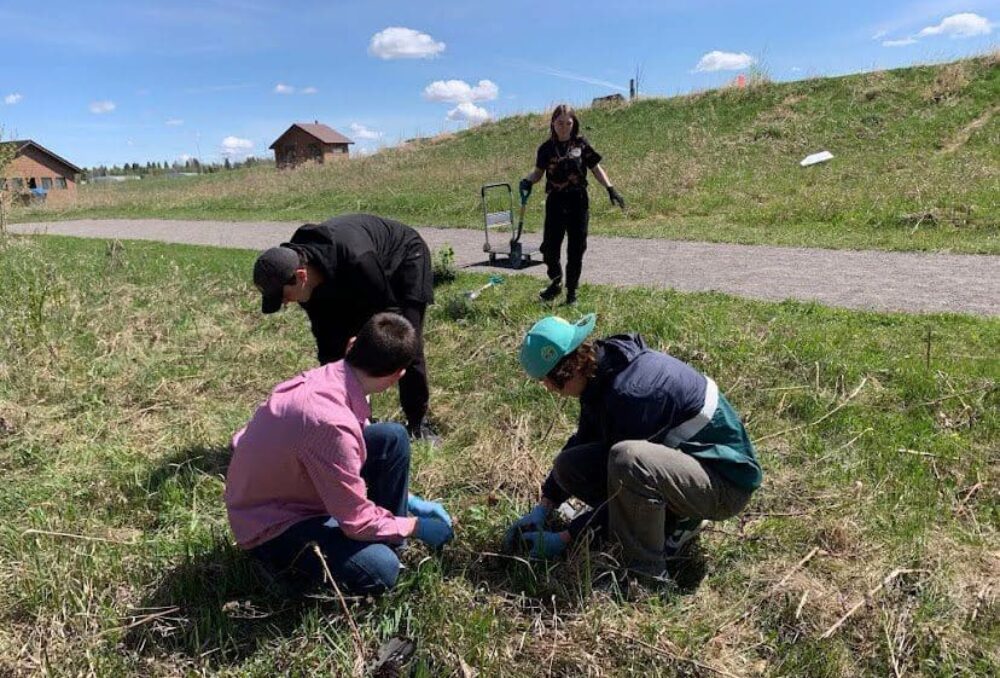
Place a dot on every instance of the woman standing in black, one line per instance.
(564, 159)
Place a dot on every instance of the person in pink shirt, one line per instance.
(308, 469)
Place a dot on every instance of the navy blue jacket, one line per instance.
(642, 394)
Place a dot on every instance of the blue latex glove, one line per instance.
(433, 532)
(533, 521)
(543, 544)
(422, 508)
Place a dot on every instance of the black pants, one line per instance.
(414, 392)
(567, 213)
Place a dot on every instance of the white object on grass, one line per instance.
(815, 158)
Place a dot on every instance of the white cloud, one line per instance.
(880, 34)
(309, 90)
(459, 91)
(568, 75)
(174, 122)
(235, 147)
(470, 113)
(99, 107)
(796, 69)
(184, 157)
(964, 25)
(12, 99)
(361, 132)
(281, 88)
(724, 61)
(404, 43)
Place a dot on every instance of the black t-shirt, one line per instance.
(566, 163)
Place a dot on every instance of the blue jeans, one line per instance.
(357, 566)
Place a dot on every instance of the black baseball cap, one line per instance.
(274, 269)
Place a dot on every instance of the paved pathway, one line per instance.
(872, 280)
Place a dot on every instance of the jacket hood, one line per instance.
(617, 351)
(320, 254)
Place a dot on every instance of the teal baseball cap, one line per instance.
(550, 340)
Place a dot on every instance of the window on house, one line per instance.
(3, 184)
(18, 183)
(47, 183)
(315, 151)
(60, 182)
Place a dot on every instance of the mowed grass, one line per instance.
(916, 168)
(126, 367)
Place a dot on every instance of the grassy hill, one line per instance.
(916, 167)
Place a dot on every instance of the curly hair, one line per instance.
(582, 361)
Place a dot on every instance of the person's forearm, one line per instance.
(601, 176)
(535, 175)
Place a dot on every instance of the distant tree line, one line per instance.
(167, 167)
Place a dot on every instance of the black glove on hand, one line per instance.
(525, 187)
(616, 197)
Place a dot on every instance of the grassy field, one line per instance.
(916, 168)
(125, 369)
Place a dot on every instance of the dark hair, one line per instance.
(564, 109)
(583, 360)
(385, 344)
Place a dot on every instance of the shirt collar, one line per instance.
(357, 400)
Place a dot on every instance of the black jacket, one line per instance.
(369, 264)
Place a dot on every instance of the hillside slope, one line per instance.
(916, 166)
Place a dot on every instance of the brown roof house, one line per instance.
(36, 173)
(304, 142)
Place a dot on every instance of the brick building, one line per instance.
(35, 166)
(304, 142)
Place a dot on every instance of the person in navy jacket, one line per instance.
(658, 449)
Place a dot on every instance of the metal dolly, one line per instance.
(499, 223)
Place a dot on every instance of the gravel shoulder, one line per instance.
(866, 280)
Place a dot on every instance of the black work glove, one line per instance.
(615, 197)
(525, 188)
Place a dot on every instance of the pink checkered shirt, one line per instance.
(300, 456)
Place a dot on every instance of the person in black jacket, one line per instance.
(342, 272)
(564, 159)
(658, 449)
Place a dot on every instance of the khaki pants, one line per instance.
(651, 487)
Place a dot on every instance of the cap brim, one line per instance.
(270, 303)
(582, 329)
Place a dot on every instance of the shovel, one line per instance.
(494, 280)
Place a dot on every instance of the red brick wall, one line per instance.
(34, 164)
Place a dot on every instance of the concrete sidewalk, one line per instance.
(869, 280)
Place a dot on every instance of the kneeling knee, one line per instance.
(377, 572)
(622, 459)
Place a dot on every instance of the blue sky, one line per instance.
(110, 82)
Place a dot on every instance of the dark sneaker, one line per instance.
(552, 291)
(424, 433)
(686, 531)
(570, 297)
